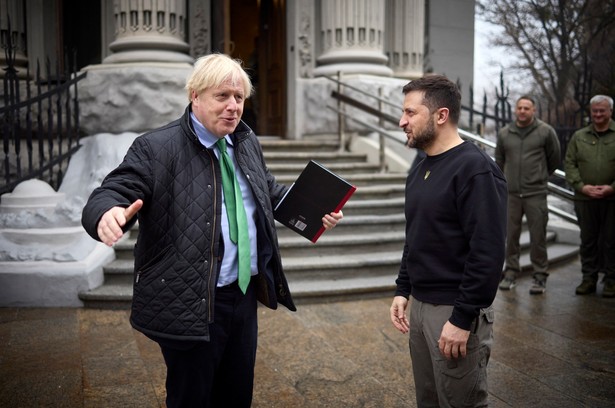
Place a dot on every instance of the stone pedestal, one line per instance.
(314, 95)
(46, 258)
(135, 97)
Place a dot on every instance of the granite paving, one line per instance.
(553, 350)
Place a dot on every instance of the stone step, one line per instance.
(326, 158)
(379, 191)
(357, 179)
(119, 271)
(294, 169)
(330, 144)
(305, 292)
(319, 278)
(332, 243)
(338, 266)
(107, 296)
(382, 206)
(359, 225)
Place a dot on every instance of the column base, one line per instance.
(353, 68)
(154, 93)
(148, 56)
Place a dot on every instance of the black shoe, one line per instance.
(586, 287)
(609, 289)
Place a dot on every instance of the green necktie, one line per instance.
(236, 213)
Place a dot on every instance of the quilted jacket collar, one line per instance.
(242, 131)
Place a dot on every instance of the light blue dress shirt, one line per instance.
(228, 271)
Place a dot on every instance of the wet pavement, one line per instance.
(553, 350)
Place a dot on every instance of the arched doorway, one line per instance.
(255, 32)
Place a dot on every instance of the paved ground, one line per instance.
(556, 350)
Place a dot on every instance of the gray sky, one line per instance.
(488, 60)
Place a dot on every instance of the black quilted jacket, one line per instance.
(179, 244)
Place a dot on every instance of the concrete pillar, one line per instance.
(149, 31)
(405, 38)
(149, 57)
(200, 27)
(352, 38)
(13, 10)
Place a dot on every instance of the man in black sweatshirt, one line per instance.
(454, 251)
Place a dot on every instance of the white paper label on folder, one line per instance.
(300, 225)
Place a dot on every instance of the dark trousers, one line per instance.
(537, 214)
(597, 224)
(218, 373)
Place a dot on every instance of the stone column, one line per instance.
(149, 31)
(352, 38)
(405, 39)
(13, 10)
(200, 27)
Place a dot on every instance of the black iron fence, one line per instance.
(492, 115)
(39, 118)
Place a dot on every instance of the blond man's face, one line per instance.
(219, 109)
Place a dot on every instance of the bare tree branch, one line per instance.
(556, 42)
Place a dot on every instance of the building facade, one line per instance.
(289, 46)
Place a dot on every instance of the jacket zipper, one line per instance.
(211, 244)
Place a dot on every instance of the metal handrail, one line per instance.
(354, 88)
(552, 187)
(368, 125)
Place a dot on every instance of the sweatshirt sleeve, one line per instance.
(403, 280)
(483, 203)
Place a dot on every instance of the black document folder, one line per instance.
(316, 192)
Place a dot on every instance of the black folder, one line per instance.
(316, 192)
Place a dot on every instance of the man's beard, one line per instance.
(424, 137)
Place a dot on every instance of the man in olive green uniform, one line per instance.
(590, 170)
(528, 152)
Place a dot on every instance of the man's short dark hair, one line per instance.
(527, 98)
(439, 92)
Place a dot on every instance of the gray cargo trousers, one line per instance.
(443, 383)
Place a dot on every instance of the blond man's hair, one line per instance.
(213, 70)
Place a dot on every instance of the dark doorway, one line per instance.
(255, 32)
(81, 31)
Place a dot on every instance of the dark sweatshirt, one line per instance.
(455, 232)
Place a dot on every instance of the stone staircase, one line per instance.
(359, 258)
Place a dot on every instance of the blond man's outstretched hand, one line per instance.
(111, 223)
